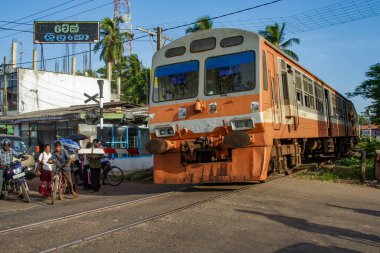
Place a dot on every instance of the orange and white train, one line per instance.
(228, 106)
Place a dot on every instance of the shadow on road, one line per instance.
(307, 226)
(314, 248)
(359, 210)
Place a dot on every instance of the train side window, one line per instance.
(202, 45)
(333, 102)
(308, 92)
(318, 97)
(265, 71)
(176, 51)
(232, 41)
(299, 88)
(285, 85)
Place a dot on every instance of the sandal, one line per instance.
(75, 195)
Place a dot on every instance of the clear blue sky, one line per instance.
(339, 54)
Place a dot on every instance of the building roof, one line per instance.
(75, 112)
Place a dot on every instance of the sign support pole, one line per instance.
(5, 97)
(101, 83)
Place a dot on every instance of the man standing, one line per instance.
(62, 161)
(95, 168)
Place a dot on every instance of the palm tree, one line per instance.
(111, 42)
(276, 35)
(202, 23)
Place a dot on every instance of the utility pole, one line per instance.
(159, 35)
(101, 83)
(5, 97)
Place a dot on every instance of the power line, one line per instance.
(39, 12)
(48, 15)
(11, 29)
(171, 28)
(227, 14)
(11, 22)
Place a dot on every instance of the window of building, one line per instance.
(318, 97)
(308, 92)
(176, 81)
(230, 73)
(299, 88)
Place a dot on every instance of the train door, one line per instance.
(288, 89)
(274, 89)
(328, 111)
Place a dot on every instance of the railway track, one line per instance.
(153, 217)
(41, 224)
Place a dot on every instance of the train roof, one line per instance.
(226, 32)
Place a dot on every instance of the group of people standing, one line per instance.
(89, 168)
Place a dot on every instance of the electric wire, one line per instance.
(48, 15)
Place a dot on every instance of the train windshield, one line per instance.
(230, 73)
(176, 81)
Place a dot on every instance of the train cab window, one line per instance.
(176, 81)
(202, 45)
(230, 73)
(308, 92)
(176, 51)
(318, 97)
(299, 88)
(232, 41)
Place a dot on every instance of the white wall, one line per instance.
(41, 90)
(133, 163)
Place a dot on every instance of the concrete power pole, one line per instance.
(159, 37)
(5, 97)
(158, 34)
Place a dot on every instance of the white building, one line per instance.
(34, 90)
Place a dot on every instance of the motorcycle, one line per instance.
(15, 181)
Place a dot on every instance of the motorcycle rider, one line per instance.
(6, 157)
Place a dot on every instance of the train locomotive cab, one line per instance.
(227, 106)
(205, 118)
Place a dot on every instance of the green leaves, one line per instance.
(276, 35)
(370, 89)
(202, 23)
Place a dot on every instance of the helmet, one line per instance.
(6, 143)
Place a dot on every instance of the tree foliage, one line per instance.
(134, 79)
(370, 89)
(202, 23)
(112, 41)
(276, 35)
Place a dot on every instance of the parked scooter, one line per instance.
(15, 181)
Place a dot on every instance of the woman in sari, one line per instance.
(46, 172)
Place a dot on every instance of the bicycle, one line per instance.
(57, 187)
(113, 175)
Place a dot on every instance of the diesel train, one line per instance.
(228, 106)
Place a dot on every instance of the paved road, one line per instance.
(285, 215)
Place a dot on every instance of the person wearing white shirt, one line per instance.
(46, 176)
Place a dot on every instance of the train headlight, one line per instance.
(242, 124)
(165, 131)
